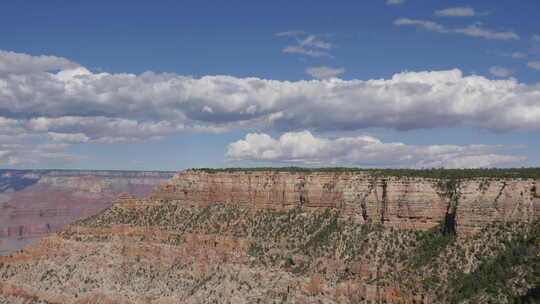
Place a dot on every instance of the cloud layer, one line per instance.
(49, 103)
(303, 148)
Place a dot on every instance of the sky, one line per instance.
(170, 85)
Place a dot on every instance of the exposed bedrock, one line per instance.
(400, 202)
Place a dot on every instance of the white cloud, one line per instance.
(534, 65)
(295, 49)
(535, 38)
(19, 151)
(456, 12)
(311, 40)
(324, 72)
(394, 2)
(86, 107)
(11, 62)
(150, 104)
(429, 25)
(473, 30)
(306, 44)
(500, 71)
(70, 138)
(307, 149)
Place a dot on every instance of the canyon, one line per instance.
(36, 202)
(267, 236)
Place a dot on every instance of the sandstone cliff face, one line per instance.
(483, 201)
(34, 203)
(399, 202)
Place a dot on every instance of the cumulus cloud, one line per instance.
(306, 44)
(534, 65)
(73, 105)
(473, 30)
(11, 62)
(150, 104)
(306, 149)
(456, 12)
(324, 72)
(500, 71)
(394, 2)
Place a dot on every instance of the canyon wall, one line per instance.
(400, 202)
(36, 202)
(240, 238)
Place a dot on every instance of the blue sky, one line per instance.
(179, 84)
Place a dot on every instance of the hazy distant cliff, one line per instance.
(36, 202)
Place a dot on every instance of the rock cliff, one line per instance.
(399, 202)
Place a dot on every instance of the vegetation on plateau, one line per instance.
(436, 173)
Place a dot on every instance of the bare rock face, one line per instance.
(34, 203)
(402, 203)
(399, 202)
(483, 201)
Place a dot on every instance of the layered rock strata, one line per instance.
(399, 202)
